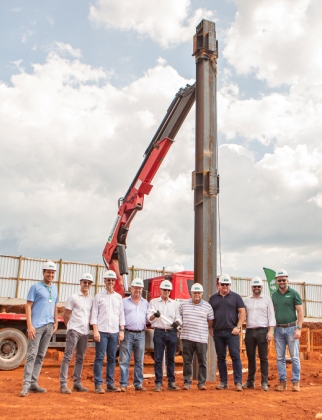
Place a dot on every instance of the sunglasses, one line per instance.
(166, 290)
(224, 284)
(257, 287)
(281, 281)
(87, 282)
(108, 280)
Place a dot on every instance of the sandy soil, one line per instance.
(212, 403)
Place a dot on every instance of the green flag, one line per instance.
(270, 276)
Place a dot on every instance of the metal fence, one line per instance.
(17, 274)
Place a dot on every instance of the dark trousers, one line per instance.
(222, 339)
(188, 350)
(253, 339)
(164, 341)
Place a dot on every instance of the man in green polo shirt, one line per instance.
(289, 318)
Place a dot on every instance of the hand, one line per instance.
(235, 331)
(211, 332)
(55, 327)
(121, 336)
(269, 336)
(297, 334)
(31, 333)
(175, 325)
(157, 314)
(97, 336)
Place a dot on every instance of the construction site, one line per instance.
(19, 273)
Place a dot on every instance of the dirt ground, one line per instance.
(226, 404)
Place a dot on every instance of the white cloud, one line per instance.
(277, 40)
(64, 49)
(166, 22)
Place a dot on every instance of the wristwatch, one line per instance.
(122, 330)
(298, 327)
(238, 326)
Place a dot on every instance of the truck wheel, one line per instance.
(13, 348)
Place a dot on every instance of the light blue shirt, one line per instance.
(42, 311)
(135, 314)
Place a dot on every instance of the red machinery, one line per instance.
(114, 254)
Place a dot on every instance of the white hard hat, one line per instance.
(166, 284)
(224, 278)
(281, 273)
(109, 274)
(137, 283)
(197, 287)
(49, 265)
(256, 281)
(87, 276)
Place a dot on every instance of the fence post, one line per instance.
(304, 299)
(133, 273)
(60, 277)
(163, 271)
(96, 278)
(18, 276)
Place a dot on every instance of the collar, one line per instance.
(81, 294)
(160, 299)
(108, 292)
(256, 298)
(198, 304)
(287, 291)
(130, 298)
(222, 295)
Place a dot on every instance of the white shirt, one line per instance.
(108, 312)
(259, 312)
(168, 308)
(80, 306)
(195, 320)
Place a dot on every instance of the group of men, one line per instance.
(121, 323)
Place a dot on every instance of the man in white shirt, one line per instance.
(76, 317)
(165, 334)
(197, 321)
(108, 325)
(260, 323)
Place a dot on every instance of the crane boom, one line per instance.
(114, 254)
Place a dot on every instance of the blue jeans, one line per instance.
(222, 339)
(132, 342)
(164, 341)
(107, 344)
(283, 337)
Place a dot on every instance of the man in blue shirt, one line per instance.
(42, 322)
(135, 310)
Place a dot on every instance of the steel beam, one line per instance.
(205, 180)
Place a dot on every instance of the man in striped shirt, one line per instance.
(197, 319)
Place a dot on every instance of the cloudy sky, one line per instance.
(83, 87)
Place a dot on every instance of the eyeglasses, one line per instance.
(257, 287)
(224, 284)
(87, 282)
(166, 290)
(281, 281)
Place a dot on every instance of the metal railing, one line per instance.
(17, 274)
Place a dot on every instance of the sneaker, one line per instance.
(202, 387)
(99, 389)
(186, 387)
(249, 385)
(173, 387)
(296, 386)
(158, 388)
(123, 388)
(112, 388)
(222, 385)
(79, 388)
(25, 391)
(36, 388)
(140, 388)
(281, 386)
(239, 387)
(265, 386)
(65, 390)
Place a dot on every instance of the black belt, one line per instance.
(292, 324)
(164, 329)
(258, 328)
(139, 331)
